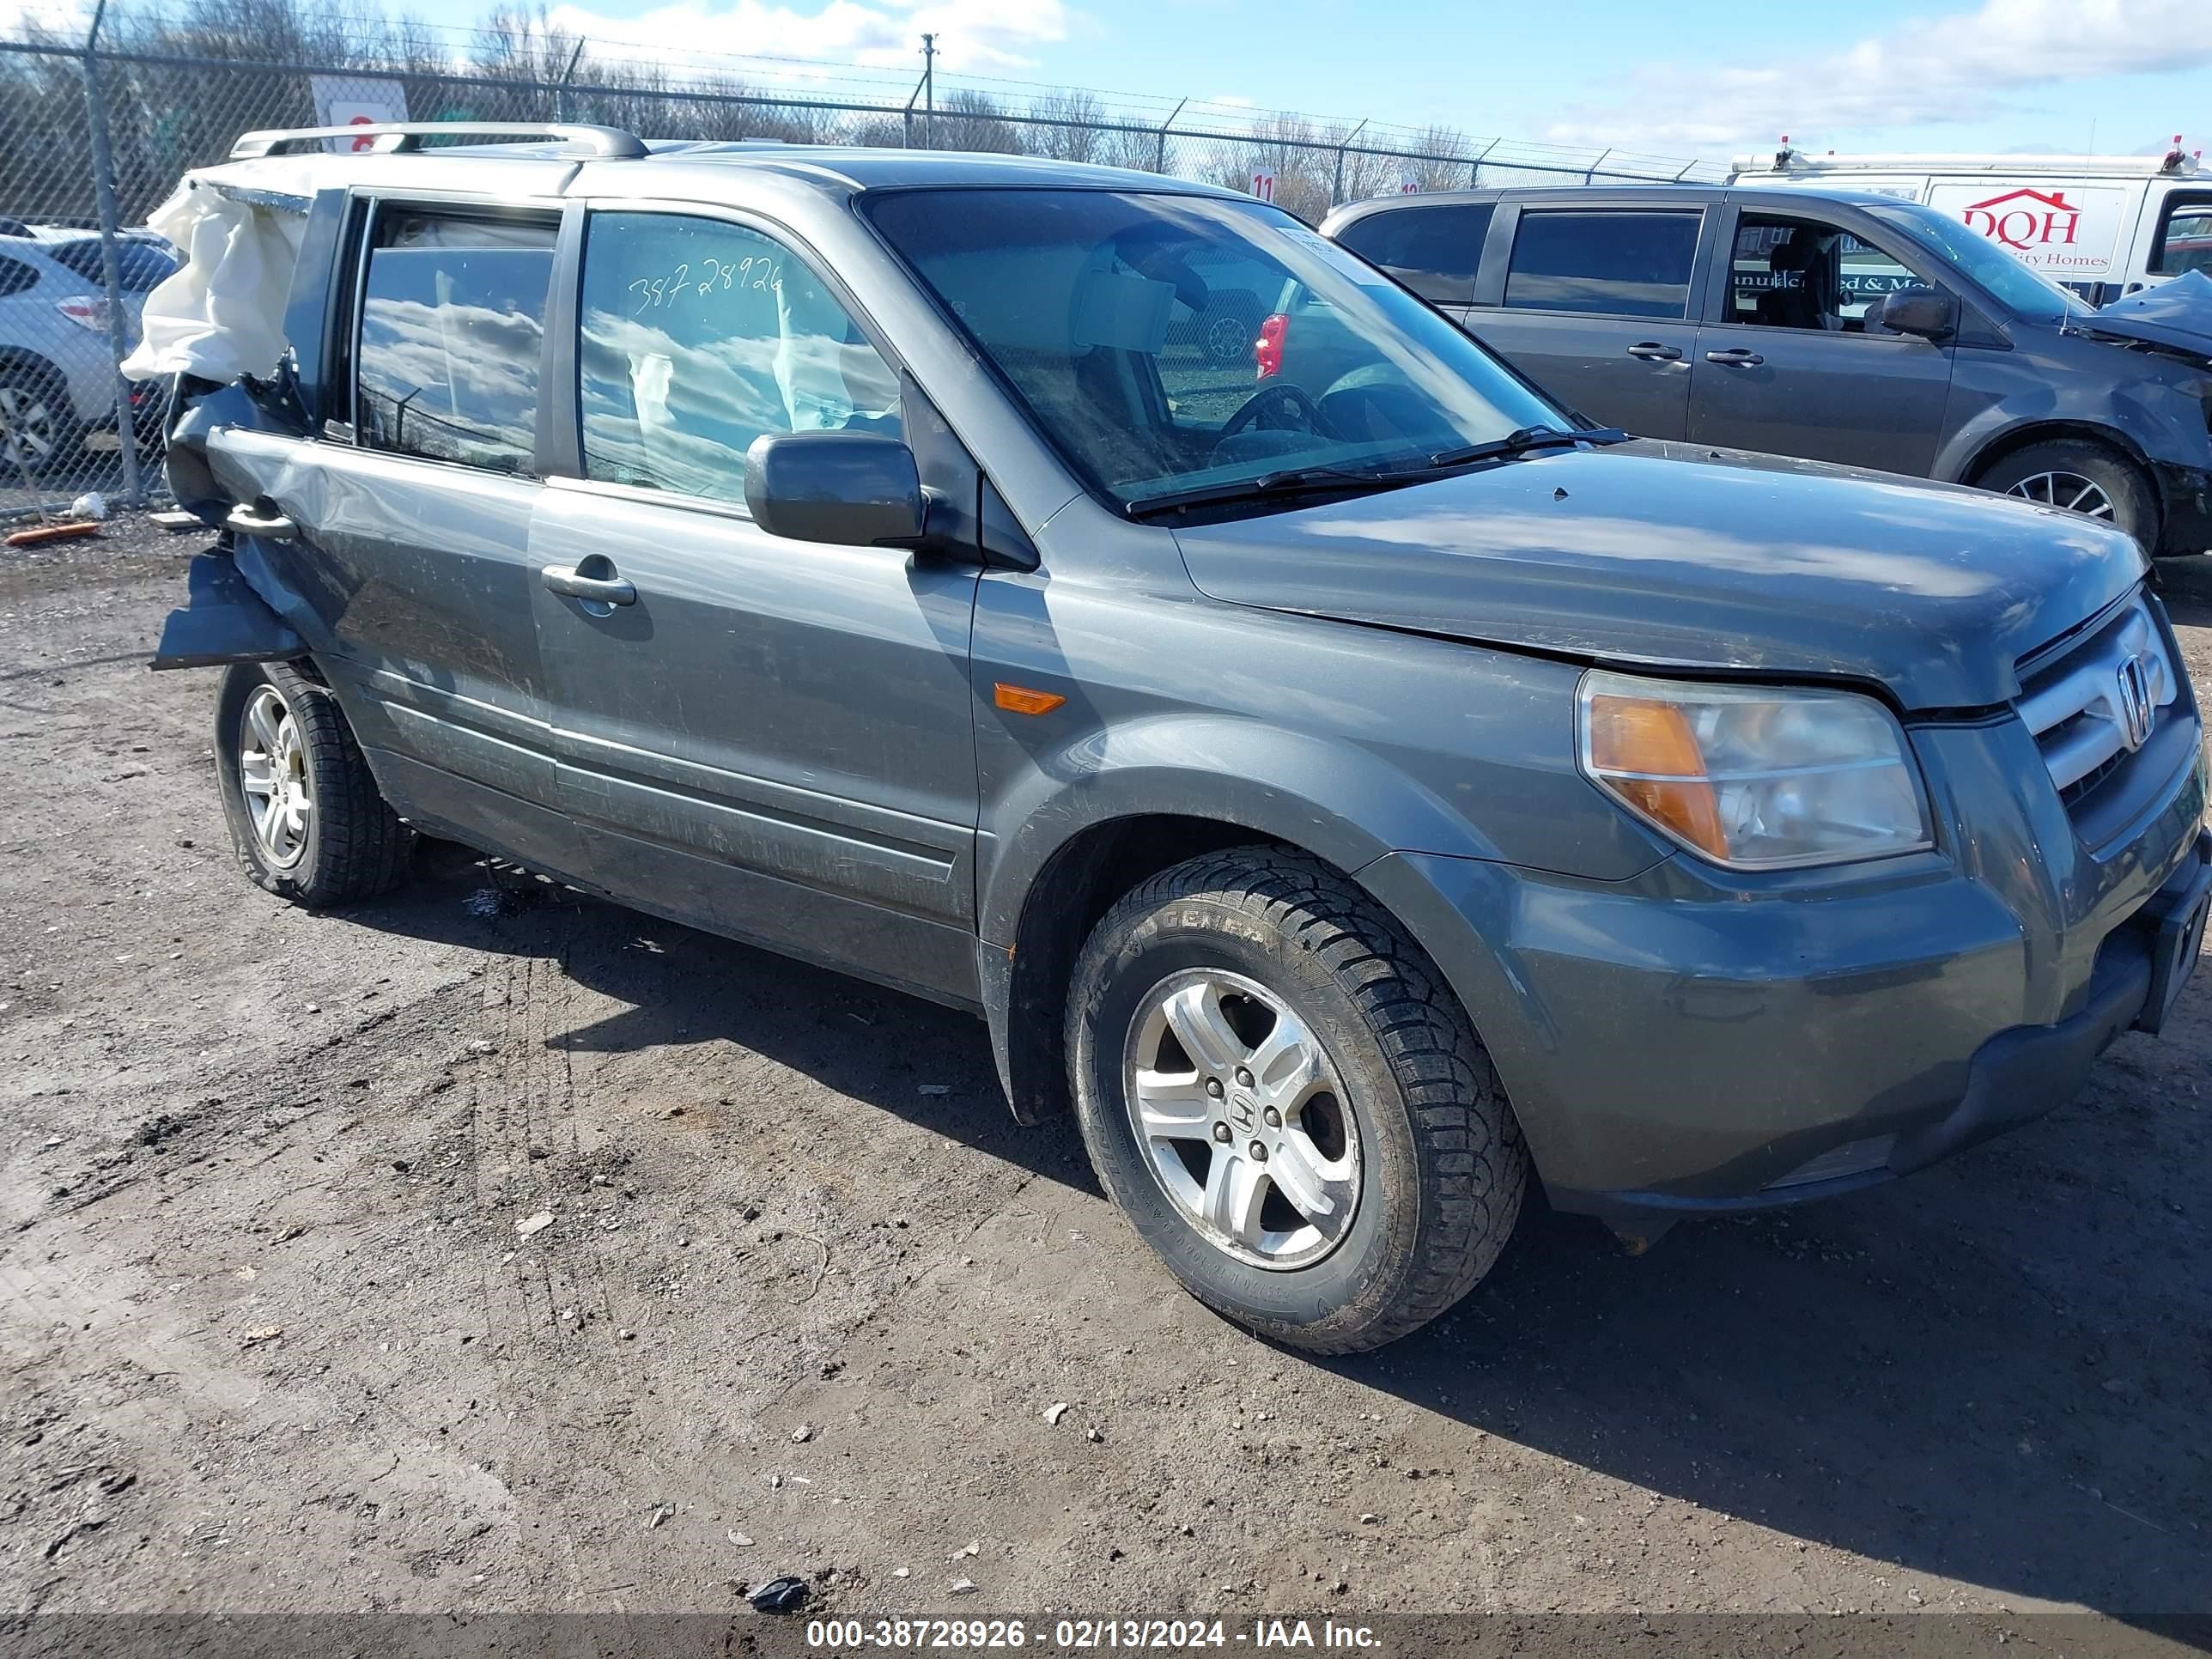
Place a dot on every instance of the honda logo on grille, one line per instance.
(2137, 709)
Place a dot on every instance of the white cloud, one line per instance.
(975, 37)
(1963, 67)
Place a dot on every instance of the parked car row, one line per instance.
(57, 381)
(1346, 779)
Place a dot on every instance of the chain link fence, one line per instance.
(97, 125)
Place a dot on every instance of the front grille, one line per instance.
(2099, 700)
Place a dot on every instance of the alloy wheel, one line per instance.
(1243, 1118)
(272, 775)
(28, 433)
(2069, 491)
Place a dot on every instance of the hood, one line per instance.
(1672, 556)
(2178, 314)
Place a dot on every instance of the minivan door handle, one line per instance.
(1736, 357)
(1652, 352)
(599, 590)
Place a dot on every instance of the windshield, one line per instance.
(1172, 343)
(2023, 292)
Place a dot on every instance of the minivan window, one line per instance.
(452, 316)
(2027, 294)
(2184, 241)
(698, 337)
(1806, 273)
(15, 276)
(1075, 297)
(1434, 250)
(1616, 265)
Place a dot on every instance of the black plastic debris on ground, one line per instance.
(779, 1596)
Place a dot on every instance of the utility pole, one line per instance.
(929, 92)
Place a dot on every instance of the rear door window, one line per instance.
(452, 319)
(139, 266)
(2184, 239)
(1434, 251)
(1614, 265)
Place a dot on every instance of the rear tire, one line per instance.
(1405, 1131)
(306, 816)
(40, 432)
(2066, 471)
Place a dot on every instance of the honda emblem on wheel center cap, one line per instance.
(1242, 1109)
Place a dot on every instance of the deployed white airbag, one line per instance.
(221, 314)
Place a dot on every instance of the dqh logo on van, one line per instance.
(2026, 219)
(2067, 230)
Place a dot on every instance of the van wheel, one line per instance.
(305, 814)
(1282, 1095)
(2084, 478)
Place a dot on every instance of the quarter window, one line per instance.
(452, 316)
(1616, 265)
(2184, 242)
(15, 276)
(698, 337)
(1434, 251)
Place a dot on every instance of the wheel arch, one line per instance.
(1089, 833)
(1994, 448)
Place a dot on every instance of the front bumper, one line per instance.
(1673, 1046)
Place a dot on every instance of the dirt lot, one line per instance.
(272, 1338)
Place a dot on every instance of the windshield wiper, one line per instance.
(1308, 480)
(1293, 481)
(1522, 440)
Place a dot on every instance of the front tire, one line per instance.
(305, 814)
(1281, 1092)
(2077, 475)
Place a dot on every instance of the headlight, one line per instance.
(1754, 778)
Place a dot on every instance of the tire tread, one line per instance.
(1473, 1156)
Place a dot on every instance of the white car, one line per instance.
(58, 379)
(2102, 225)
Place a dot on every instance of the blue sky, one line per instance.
(1697, 77)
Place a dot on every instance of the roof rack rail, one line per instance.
(393, 138)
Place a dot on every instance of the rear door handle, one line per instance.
(1652, 352)
(601, 590)
(1736, 357)
(269, 526)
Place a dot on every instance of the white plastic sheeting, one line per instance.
(221, 314)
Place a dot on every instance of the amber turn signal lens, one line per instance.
(1646, 754)
(1024, 700)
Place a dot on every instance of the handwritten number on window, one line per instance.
(757, 271)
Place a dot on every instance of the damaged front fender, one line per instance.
(224, 621)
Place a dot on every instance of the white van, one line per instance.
(2103, 225)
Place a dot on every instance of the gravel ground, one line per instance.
(273, 1338)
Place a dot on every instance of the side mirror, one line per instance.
(853, 489)
(1922, 311)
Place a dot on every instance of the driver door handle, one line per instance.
(1652, 352)
(563, 578)
(1736, 357)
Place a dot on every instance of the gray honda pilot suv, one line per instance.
(1345, 794)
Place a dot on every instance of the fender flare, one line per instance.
(1341, 802)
